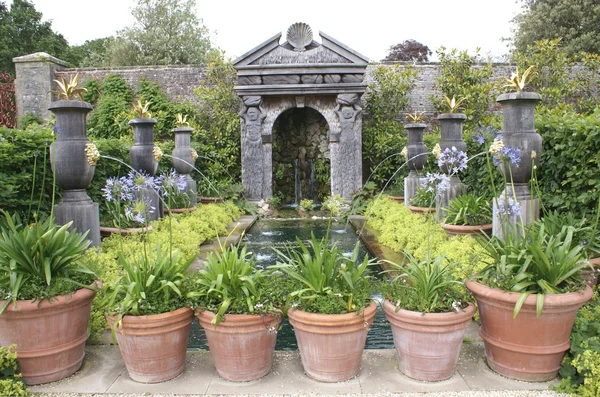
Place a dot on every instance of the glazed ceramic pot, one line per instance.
(242, 345)
(527, 347)
(466, 230)
(154, 347)
(50, 336)
(331, 345)
(428, 345)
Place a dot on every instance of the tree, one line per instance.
(408, 50)
(575, 21)
(91, 53)
(165, 32)
(23, 32)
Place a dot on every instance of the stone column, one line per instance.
(518, 131)
(346, 147)
(34, 83)
(256, 150)
(72, 171)
(451, 136)
(416, 158)
(142, 160)
(183, 161)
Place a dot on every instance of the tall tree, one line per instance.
(22, 32)
(91, 53)
(165, 32)
(577, 22)
(408, 50)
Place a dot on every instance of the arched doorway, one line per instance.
(301, 165)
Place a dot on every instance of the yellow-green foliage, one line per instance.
(420, 235)
(10, 379)
(188, 232)
(13, 388)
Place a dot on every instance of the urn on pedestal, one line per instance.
(184, 156)
(416, 158)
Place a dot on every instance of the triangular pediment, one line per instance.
(329, 51)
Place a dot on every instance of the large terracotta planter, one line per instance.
(210, 200)
(428, 345)
(167, 211)
(50, 336)
(421, 210)
(153, 347)
(398, 199)
(527, 348)
(591, 274)
(241, 345)
(331, 345)
(466, 230)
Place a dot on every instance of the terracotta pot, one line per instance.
(465, 230)
(241, 345)
(591, 275)
(527, 348)
(428, 345)
(107, 231)
(399, 199)
(153, 347)
(210, 200)
(179, 210)
(50, 337)
(421, 210)
(331, 345)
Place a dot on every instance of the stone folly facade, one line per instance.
(301, 73)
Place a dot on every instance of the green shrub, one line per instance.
(29, 118)
(400, 230)
(581, 366)
(10, 378)
(109, 117)
(187, 233)
(22, 152)
(92, 93)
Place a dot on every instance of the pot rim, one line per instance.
(182, 129)
(422, 209)
(236, 319)
(452, 116)
(332, 319)
(519, 96)
(142, 121)
(450, 226)
(70, 104)
(28, 305)
(135, 321)
(415, 126)
(445, 318)
(554, 300)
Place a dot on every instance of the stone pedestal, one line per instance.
(183, 161)
(442, 199)
(72, 171)
(78, 207)
(416, 157)
(142, 160)
(519, 132)
(451, 136)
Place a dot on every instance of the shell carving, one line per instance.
(299, 35)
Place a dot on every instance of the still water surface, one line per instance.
(276, 233)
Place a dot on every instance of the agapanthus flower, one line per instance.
(483, 134)
(436, 182)
(501, 153)
(116, 189)
(92, 154)
(508, 207)
(453, 159)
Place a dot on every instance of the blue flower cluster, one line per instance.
(120, 195)
(508, 207)
(453, 159)
(485, 134)
(435, 182)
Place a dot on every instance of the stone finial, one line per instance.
(299, 35)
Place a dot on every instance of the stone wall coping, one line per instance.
(116, 69)
(39, 57)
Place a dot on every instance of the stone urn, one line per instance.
(416, 158)
(142, 160)
(451, 126)
(183, 160)
(518, 131)
(72, 170)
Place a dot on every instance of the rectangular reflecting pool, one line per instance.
(278, 233)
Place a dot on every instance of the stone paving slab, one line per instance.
(103, 373)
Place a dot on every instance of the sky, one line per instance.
(369, 26)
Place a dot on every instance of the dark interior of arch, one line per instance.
(301, 168)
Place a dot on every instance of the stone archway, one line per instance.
(327, 77)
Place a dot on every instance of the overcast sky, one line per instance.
(369, 26)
